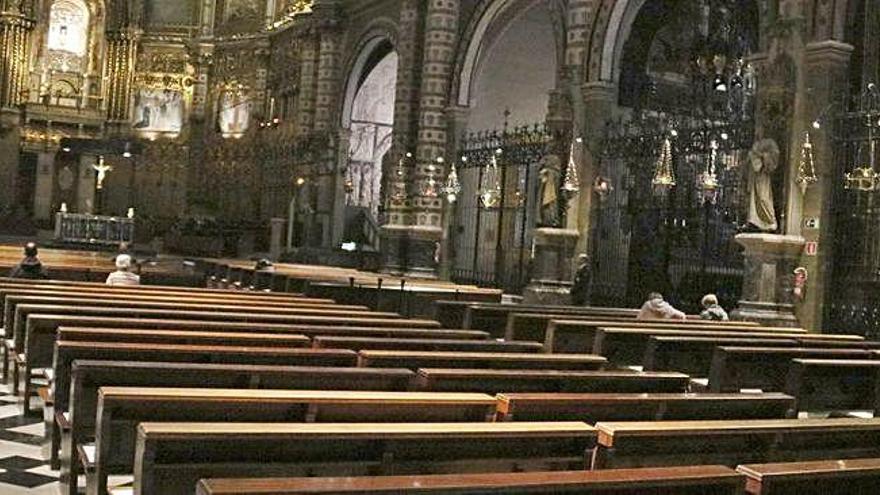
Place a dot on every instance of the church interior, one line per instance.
(446, 247)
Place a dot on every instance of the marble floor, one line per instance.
(22, 468)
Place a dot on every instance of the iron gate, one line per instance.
(495, 215)
(855, 279)
(677, 239)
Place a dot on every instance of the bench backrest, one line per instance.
(428, 359)
(164, 461)
(765, 368)
(813, 477)
(834, 384)
(501, 381)
(361, 343)
(671, 443)
(183, 337)
(690, 480)
(593, 408)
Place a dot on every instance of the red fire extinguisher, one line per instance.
(800, 282)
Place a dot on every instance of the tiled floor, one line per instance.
(22, 468)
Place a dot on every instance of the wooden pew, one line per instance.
(628, 346)
(690, 480)
(120, 409)
(447, 345)
(580, 335)
(830, 477)
(164, 461)
(67, 352)
(493, 318)
(147, 288)
(834, 384)
(675, 443)
(428, 359)
(500, 381)
(182, 337)
(533, 326)
(593, 408)
(693, 355)
(75, 411)
(765, 368)
(34, 347)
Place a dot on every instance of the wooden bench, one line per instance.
(693, 355)
(830, 477)
(55, 284)
(834, 384)
(628, 346)
(67, 352)
(693, 480)
(500, 381)
(493, 318)
(580, 336)
(164, 461)
(765, 368)
(33, 348)
(182, 337)
(593, 408)
(120, 409)
(533, 326)
(447, 345)
(428, 359)
(75, 411)
(671, 443)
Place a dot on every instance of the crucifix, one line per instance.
(101, 169)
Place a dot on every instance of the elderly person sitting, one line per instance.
(712, 310)
(655, 308)
(123, 275)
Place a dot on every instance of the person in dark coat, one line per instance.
(30, 267)
(580, 287)
(712, 310)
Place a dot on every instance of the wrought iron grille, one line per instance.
(492, 243)
(855, 286)
(681, 242)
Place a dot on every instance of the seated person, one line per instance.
(123, 275)
(711, 309)
(655, 308)
(30, 267)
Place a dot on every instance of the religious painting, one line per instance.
(159, 110)
(234, 114)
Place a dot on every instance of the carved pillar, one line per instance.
(326, 16)
(15, 33)
(826, 69)
(419, 243)
(119, 66)
(308, 64)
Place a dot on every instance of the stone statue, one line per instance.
(549, 175)
(101, 169)
(763, 160)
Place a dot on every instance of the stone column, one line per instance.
(770, 260)
(328, 64)
(826, 70)
(44, 186)
(119, 66)
(15, 33)
(308, 64)
(425, 232)
(85, 184)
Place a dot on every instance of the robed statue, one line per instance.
(763, 161)
(549, 175)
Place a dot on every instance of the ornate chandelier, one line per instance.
(709, 178)
(865, 178)
(398, 193)
(664, 175)
(452, 188)
(806, 175)
(572, 183)
(429, 186)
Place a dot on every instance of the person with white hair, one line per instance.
(711, 309)
(123, 274)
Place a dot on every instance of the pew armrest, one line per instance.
(87, 457)
(62, 419)
(46, 395)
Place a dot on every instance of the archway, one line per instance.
(505, 77)
(368, 116)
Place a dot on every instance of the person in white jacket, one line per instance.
(655, 308)
(123, 275)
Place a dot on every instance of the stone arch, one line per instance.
(488, 23)
(377, 33)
